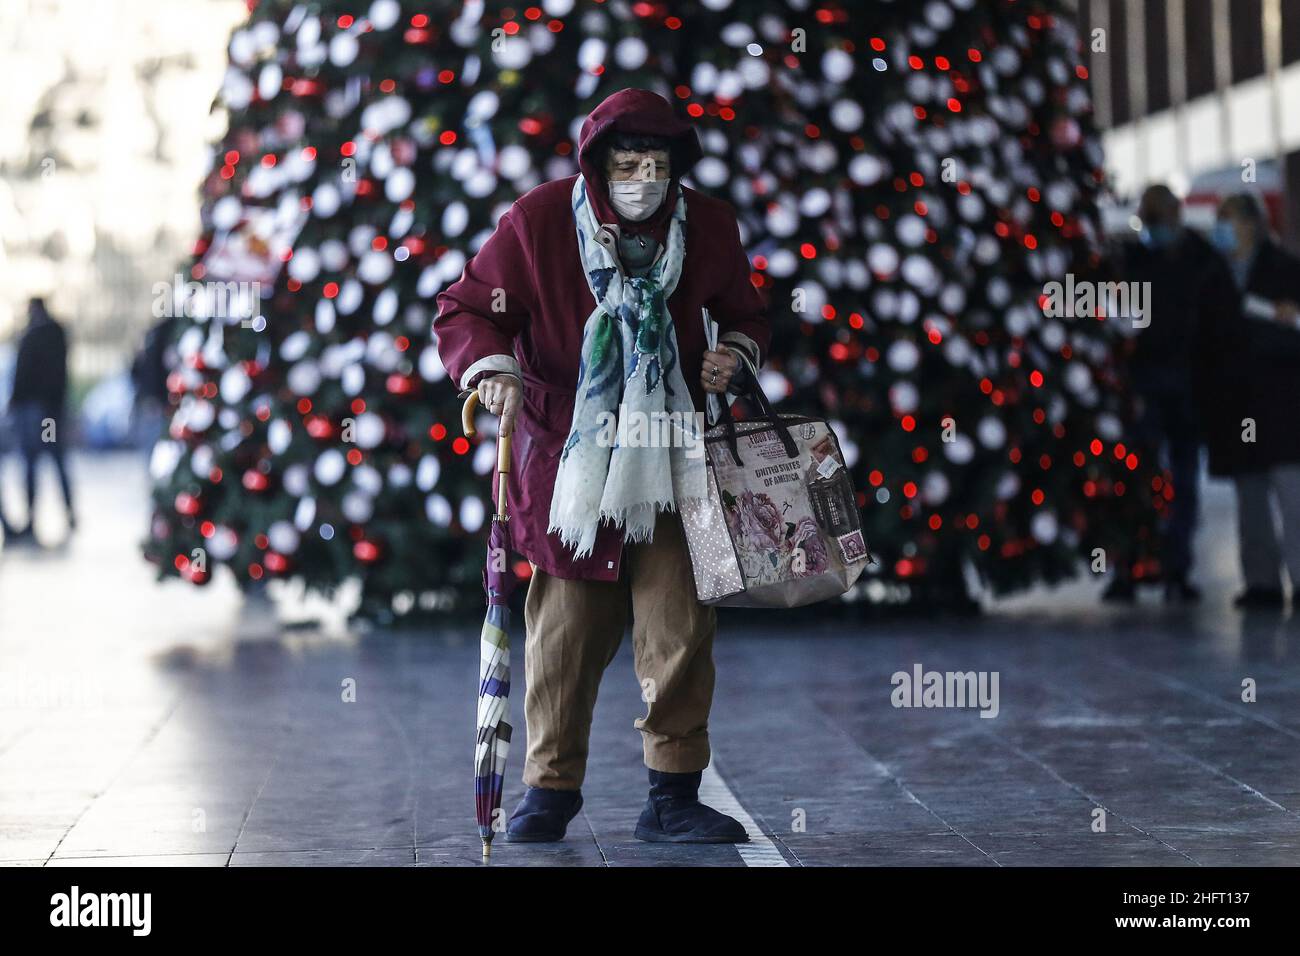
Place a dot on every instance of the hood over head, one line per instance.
(648, 113)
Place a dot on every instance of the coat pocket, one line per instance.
(546, 416)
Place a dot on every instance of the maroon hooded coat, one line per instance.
(523, 301)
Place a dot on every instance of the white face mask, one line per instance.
(636, 199)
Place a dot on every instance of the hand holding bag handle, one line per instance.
(755, 394)
(719, 412)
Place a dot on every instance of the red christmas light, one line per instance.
(319, 427)
(399, 384)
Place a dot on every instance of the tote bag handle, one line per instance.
(720, 412)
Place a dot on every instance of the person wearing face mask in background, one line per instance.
(1267, 470)
(590, 293)
(1172, 367)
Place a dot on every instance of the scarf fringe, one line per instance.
(636, 529)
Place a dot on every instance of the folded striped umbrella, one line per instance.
(493, 724)
(493, 688)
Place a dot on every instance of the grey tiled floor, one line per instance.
(152, 725)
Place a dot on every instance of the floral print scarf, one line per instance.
(635, 445)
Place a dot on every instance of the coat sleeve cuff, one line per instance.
(491, 363)
(745, 345)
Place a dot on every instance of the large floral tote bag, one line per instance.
(780, 526)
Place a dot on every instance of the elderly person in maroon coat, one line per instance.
(585, 310)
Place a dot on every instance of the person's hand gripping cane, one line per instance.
(501, 395)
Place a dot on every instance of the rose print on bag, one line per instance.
(758, 534)
(758, 519)
(807, 538)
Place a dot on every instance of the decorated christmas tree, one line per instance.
(907, 178)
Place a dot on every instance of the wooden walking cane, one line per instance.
(492, 724)
(503, 449)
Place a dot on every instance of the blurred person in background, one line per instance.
(1181, 367)
(149, 379)
(37, 404)
(6, 432)
(1267, 278)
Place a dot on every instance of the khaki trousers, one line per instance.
(574, 629)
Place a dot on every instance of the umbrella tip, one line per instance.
(487, 849)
